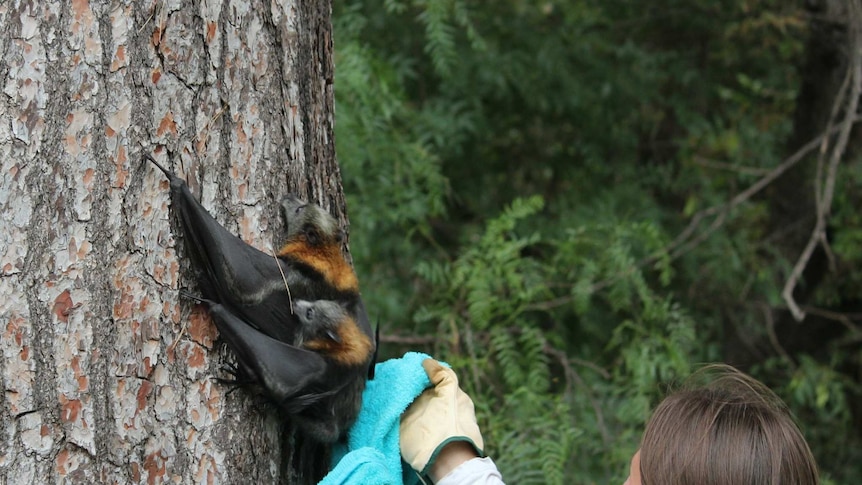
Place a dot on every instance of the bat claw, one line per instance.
(231, 368)
(238, 378)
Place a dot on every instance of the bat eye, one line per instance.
(311, 235)
(309, 314)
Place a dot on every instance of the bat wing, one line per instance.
(293, 377)
(230, 271)
(365, 327)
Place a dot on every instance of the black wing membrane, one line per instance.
(251, 305)
(244, 279)
(365, 326)
(290, 375)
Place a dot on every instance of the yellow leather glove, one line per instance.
(440, 415)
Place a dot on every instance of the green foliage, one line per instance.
(392, 181)
(538, 449)
(494, 302)
(517, 176)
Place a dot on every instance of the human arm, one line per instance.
(439, 436)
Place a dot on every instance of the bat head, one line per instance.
(320, 320)
(310, 222)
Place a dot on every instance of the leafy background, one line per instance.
(517, 174)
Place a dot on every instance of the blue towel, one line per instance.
(363, 466)
(372, 455)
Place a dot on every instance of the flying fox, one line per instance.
(295, 320)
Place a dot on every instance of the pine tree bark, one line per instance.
(106, 373)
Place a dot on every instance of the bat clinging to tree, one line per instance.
(296, 321)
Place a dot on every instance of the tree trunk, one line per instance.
(829, 53)
(790, 198)
(107, 375)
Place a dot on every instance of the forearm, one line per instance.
(450, 457)
(475, 471)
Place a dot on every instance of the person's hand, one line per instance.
(439, 431)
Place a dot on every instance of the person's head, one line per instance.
(727, 429)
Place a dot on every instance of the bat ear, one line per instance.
(334, 336)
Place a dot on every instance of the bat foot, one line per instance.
(237, 377)
(230, 368)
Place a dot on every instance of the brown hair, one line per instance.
(729, 430)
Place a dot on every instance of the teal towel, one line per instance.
(372, 455)
(365, 465)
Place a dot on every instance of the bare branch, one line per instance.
(707, 163)
(827, 190)
(845, 319)
(684, 243)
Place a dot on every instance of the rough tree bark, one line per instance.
(106, 375)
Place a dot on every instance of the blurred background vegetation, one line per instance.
(576, 203)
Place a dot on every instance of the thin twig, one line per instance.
(474, 360)
(144, 25)
(550, 304)
(162, 9)
(707, 163)
(183, 329)
(572, 374)
(585, 363)
(283, 278)
(773, 337)
(703, 236)
(818, 184)
(202, 140)
(845, 319)
(564, 363)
